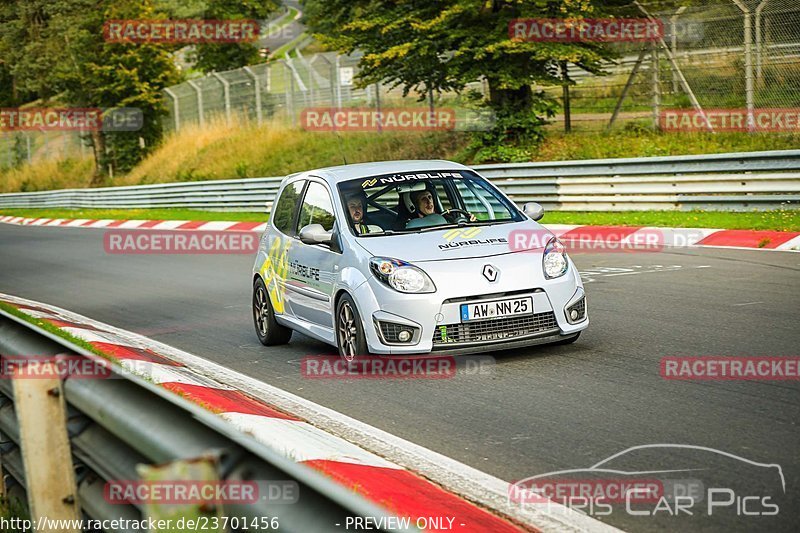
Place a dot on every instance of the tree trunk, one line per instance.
(513, 100)
(99, 150)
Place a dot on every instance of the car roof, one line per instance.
(341, 173)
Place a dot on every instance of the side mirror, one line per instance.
(533, 210)
(315, 234)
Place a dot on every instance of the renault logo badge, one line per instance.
(490, 273)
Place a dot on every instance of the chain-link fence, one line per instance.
(732, 55)
(736, 55)
(24, 147)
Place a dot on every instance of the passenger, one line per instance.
(356, 206)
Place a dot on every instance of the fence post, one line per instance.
(565, 95)
(199, 91)
(46, 455)
(748, 64)
(674, 45)
(28, 146)
(378, 105)
(759, 45)
(656, 87)
(338, 85)
(176, 111)
(226, 93)
(257, 88)
(627, 87)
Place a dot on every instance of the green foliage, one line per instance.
(228, 56)
(441, 45)
(56, 52)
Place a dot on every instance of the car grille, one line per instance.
(494, 330)
(580, 307)
(390, 332)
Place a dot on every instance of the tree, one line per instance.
(56, 52)
(227, 56)
(441, 45)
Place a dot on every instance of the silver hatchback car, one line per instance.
(408, 257)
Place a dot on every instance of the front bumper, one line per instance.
(434, 320)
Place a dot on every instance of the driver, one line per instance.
(423, 201)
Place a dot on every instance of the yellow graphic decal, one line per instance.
(461, 233)
(368, 183)
(274, 269)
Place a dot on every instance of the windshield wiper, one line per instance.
(385, 232)
(483, 222)
(441, 226)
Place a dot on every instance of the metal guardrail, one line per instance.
(734, 181)
(116, 424)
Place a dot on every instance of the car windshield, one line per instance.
(423, 201)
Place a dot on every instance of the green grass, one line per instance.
(781, 220)
(641, 141)
(55, 330)
(137, 214)
(246, 150)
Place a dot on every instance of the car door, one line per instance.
(311, 268)
(276, 243)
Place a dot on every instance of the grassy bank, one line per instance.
(769, 220)
(245, 150)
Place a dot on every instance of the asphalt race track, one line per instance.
(538, 410)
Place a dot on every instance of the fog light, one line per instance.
(573, 314)
(404, 336)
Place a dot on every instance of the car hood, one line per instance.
(459, 243)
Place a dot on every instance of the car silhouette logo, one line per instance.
(490, 273)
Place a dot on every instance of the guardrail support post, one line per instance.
(46, 456)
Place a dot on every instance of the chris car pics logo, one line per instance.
(461, 234)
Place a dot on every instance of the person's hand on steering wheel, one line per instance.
(459, 215)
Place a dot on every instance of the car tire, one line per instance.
(568, 341)
(350, 337)
(269, 332)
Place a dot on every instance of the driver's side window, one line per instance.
(317, 208)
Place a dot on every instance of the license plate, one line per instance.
(496, 309)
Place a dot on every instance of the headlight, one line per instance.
(401, 276)
(554, 260)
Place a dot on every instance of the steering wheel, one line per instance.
(460, 215)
